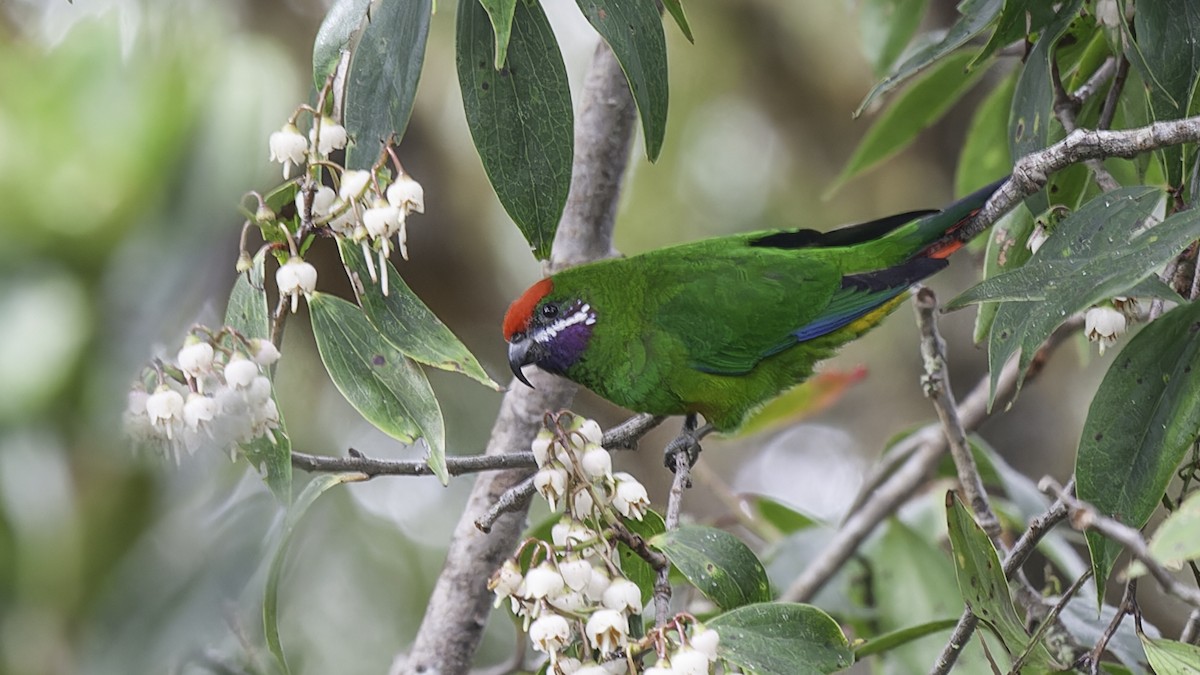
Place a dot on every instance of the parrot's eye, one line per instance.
(550, 310)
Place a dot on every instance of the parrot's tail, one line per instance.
(941, 229)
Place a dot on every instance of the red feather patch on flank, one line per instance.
(942, 249)
(517, 318)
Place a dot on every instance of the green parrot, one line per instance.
(721, 326)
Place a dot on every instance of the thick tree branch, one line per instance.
(459, 606)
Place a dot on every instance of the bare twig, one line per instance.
(456, 466)
(1191, 629)
(1109, 111)
(627, 434)
(513, 500)
(662, 583)
(1085, 517)
(1049, 620)
(1091, 660)
(458, 608)
(937, 388)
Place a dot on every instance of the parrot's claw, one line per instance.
(686, 444)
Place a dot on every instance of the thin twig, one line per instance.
(455, 466)
(1084, 516)
(1191, 628)
(1109, 111)
(627, 434)
(662, 583)
(513, 500)
(1091, 660)
(936, 382)
(1067, 105)
(1049, 620)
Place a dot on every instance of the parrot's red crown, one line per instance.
(519, 313)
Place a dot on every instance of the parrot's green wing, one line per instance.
(768, 303)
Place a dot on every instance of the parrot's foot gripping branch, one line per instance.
(687, 444)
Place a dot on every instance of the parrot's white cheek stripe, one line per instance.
(583, 314)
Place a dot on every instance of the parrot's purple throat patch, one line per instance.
(566, 338)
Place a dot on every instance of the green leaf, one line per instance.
(1177, 539)
(407, 323)
(342, 23)
(921, 105)
(500, 13)
(384, 73)
(315, 488)
(899, 638)
(633, 566)
(976, 16)
(717, 563)
(778, 637)
(1143, 419)
(983, 586)
(1032, 119)
(886, 27)
(1168, 657)
(388, 390)
(782, 517)
(984, 157)
(520, 117)
(1006, 250)
(1094, 254)
(634, 32)
(1167, 53)
(1018, 19)
(675, 9)
(247, 313)
(914, 583)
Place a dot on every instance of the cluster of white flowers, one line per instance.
(214, 394)
(369, 208)
(1104, 324)
(574, 600)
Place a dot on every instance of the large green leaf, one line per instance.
(520, 116)
(976, 16)
(1168, 657)
(1018, 19)
(1032, 121)
(247, 313)
(384, 73)
(985, 157)
(315, 488)
(633, 29)
(984, 588)
(1095, 254)
(921, 104)
(407, 323)
(500, 13)
(777, 637)
(389, 390)
(886, 27)
(717, 563)
(1006, 250)
(344, 21)
(1167, 52)
(1143, 419)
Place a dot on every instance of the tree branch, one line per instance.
(1084, 516)
(1031, 171)
(459, 606)
(372, 467)
(937, 390)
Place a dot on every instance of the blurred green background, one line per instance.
(128, 132)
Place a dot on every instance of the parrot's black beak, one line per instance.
(521, 352)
